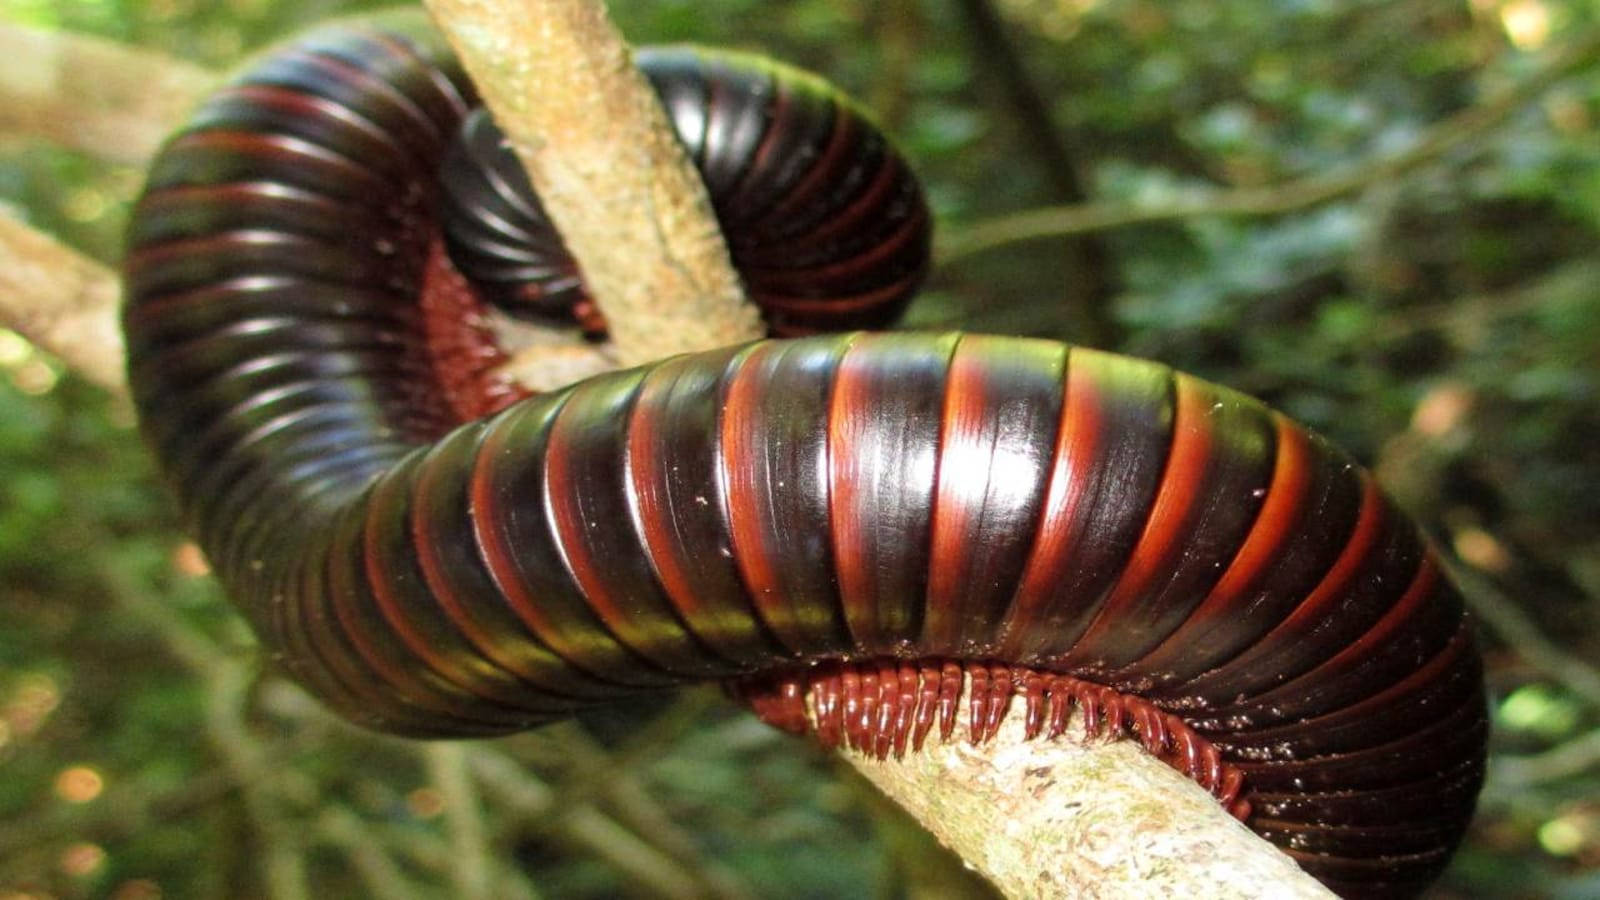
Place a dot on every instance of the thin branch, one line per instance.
(1506, 619)
(1089, 291)
(283, 861)
(609, 170)
(1510, 775)
(347, 832)
(109, 100)
(62, 301)
(584, 828)
(470, 864)
(1065, 818)
(1292, 196)
(613, 776)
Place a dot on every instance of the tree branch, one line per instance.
(108, 100)
(608, 168)
(1514, 626)
(1071, 818)
(1287, 197)
(62, 301)
(470, 865)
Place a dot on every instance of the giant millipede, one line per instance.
(888, 523)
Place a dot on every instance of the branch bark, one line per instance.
(631, 208)
(62, 301)
(1081, 818)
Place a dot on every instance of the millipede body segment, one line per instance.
(870, 519)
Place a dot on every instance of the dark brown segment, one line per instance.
(408, 609)
(1455, 734)
(360, 639)
(883, 432)
(1414, 701)
(458, 579)
(524, 554)
(1002, 412)
(1216, 477)
(1447, 794)
(305, 630)
(675, 498)
(800, 121)
(773, 459)
(1419, 625)
(217, 157)
(1305, 518)
(1116, 425)
(1377, 565)
(587, 500)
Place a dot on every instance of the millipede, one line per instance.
(856, 531)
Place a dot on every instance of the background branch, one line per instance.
(1287, 197)
(1090, 284)
(62, 301)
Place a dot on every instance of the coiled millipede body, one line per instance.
(887, 523)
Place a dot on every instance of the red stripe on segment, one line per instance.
(1193, 443)
(959, 492)
(500, 557)
(745, 492)
(849, 412)
(1317, 605)
(840, 141)
(390, 494)
(772, 278)
(1280, 511)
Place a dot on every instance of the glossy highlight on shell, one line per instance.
(889, 520)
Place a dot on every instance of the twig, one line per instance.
(470, 864)
(1512, 774)
(585, 828)
(62, 301)
(261, 784)
(105, 99)
(283, 862)
(609, 170)
(598, 774)
(1088, 292)
(1288, 197)
(1520, 633)
(347, 832)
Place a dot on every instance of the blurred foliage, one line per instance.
(1444, 326)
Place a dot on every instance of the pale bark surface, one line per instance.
(62, 301)
(630, 206)
(1077, 818)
